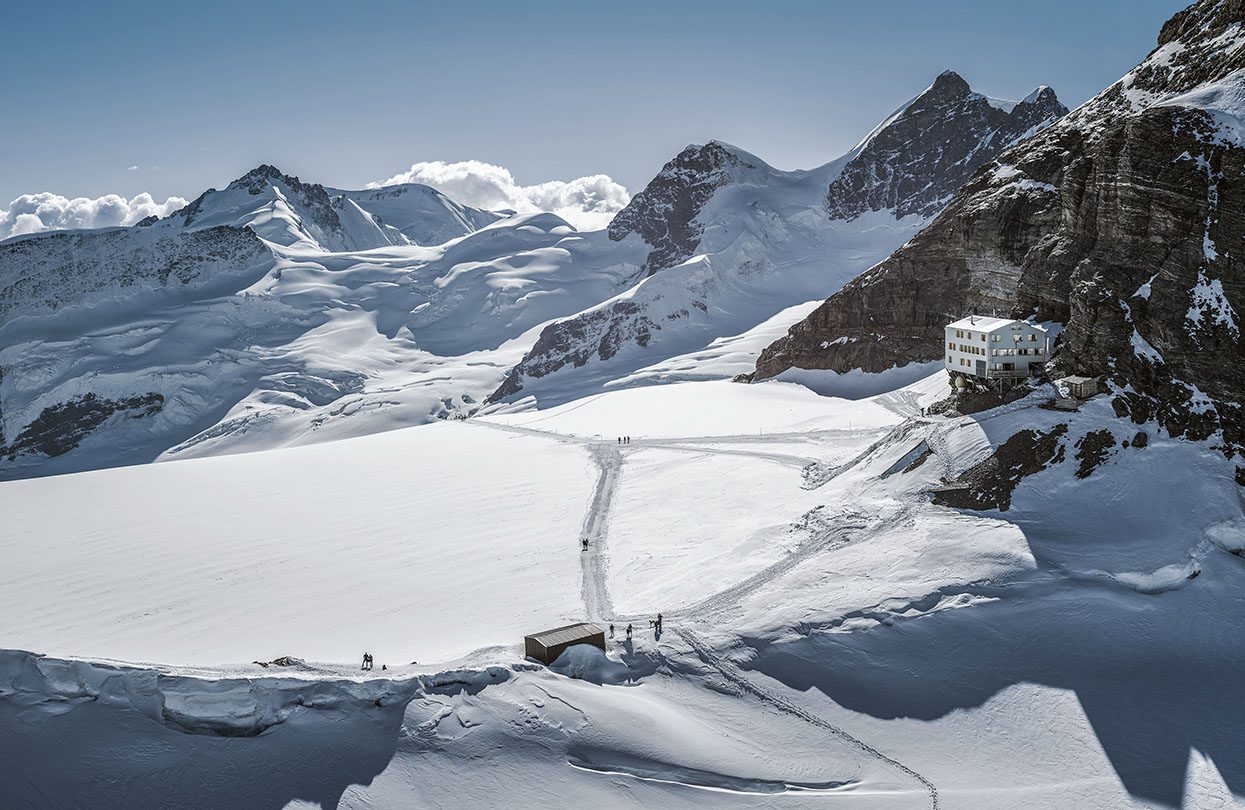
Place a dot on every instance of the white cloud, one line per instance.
(588, 203)
(132, 169)
(31, 213)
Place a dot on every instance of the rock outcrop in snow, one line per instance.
(1118, 221)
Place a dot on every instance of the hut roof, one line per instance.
(561, 635)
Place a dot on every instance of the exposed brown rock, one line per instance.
(991, 483)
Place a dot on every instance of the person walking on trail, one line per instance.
(628, 632)
(585, 542)
(367, 661)
(658, 622)
(611, 631)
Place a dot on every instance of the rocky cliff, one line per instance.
(1123, 221)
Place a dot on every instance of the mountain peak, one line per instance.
(1040, 93)
(664, 213)
(917, 160)
(262, 176)
(949, 84)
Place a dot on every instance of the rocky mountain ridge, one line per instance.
(730, 234)
(665, 212)
(922, 156)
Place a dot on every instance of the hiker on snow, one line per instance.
(628, 631)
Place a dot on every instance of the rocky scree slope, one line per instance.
(1124, 221)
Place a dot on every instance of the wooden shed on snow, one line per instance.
(548, 645)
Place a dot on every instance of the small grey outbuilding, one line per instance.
(546, 646)
(1082, 387)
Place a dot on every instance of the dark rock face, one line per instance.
(1121, 221)
(1092, 450)
(664, 213)
(992, 482)
(62, 427)
(969, 402)
(922, 158)
(48, 272)
(576, 340)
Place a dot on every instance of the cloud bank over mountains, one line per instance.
(45, 211)
(588, 203)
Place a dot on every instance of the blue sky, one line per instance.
(194, 94)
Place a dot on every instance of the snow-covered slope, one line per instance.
(304, 346)
(422, 214)
(858, 643)
(764, 245)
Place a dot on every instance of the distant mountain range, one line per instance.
(277, 311)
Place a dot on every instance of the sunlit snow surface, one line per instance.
(830, 635)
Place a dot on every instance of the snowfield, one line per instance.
(830, 635)
(318, 552)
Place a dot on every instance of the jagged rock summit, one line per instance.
(665, 213)
(924, 153)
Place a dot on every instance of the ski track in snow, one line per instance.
(680, 444)
(732, 674)
(609, 457)
(594, 559)
(847, 526)
(842, 531)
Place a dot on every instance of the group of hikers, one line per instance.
(370, 663)
(653, 623)
(624, 440)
